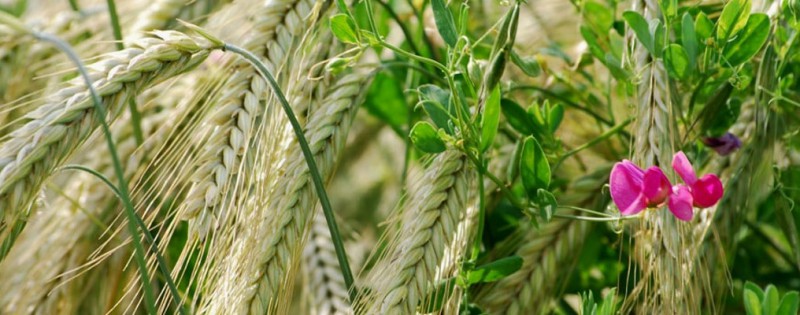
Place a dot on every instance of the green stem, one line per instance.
(319, 186)
(100, 113)
(408, 55)
(426, 72)
(596, 219)
(136, 117)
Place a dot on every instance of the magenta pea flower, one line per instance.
(633, 189)
(705, 191)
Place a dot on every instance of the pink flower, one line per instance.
(705, 191)
(634, 190)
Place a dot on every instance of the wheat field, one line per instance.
(399, 157)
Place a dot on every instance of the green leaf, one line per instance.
(789, 304)
(689, 38)
(491, 118)
(703, 26)
(547, 204)
(516, 116)
(733, 19)
(752, 304)
(659, 38)
(344, 28)
(609, 306)
(588, 306)
(555, 116)
(669, 7)
(528, 65)
(534, 169)
(771, 300)
(591, 40)
(445, 22)
(385, 100)
(676, 60)
(495, 270)
(436, 103)
(749, 41)
(598, 16)
(426, 138)
(749, 286)
(641, 28)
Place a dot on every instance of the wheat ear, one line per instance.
(277, 26)
(404, 276)
(55, 129)
(293, 205)
(667, 277)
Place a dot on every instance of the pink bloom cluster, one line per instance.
(633, 189)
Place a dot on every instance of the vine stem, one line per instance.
(319, 186)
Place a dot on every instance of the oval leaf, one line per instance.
(703, 26)
(528, 65)
(771, 300)
(749, 42)
(444, 22)
(733, 19)
(676, 60)
(789, 304)
(555, 116)
(426, 139)
(344, 29)
(517, 117)
(495, 270)
(689, 38)
(491, 118)
(640, 27)
(751, 303)
(533, 167)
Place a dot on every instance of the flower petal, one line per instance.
(635, 207)
(626, 184)
(655, 186)
(707, 191)
(680, 203)
(683, 167)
